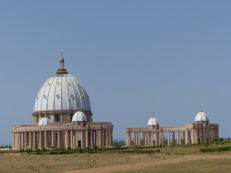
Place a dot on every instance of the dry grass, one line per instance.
(199, 166)
(23, 163)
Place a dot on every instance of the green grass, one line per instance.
(199, 166)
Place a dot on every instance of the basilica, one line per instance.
(62, 118)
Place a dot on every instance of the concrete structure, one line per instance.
(62, 118)
(199, 132)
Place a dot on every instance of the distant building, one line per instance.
(62, 118)
(199, 132)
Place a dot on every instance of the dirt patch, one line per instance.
(124, 167)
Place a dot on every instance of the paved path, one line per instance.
(124, 167)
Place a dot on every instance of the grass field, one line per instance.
(57, 163)
(24, 163)
(199, 166)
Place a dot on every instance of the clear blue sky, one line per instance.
(133, 57)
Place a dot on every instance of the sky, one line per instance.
(133, 57)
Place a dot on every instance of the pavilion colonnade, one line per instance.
(174, 135)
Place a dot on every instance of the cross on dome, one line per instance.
(61, 70)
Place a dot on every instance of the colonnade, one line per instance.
(158, 138)
(189, 134)
(62, 138)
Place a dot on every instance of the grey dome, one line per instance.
(79, 116)
(153, 121)
(201, 116)
(44, 121)
(62, 92)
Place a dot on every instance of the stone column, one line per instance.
(58, 139)
(186, 137)
(97, 138)
(66, 139)
(162, 138)
(34, 140)
(135, 141)
(15, 141)
(30, 140)
(71, 137)
(177, 137)
(183, 137)
(129, 139)
(107, 137)
(52, 138)
(193, 137)
(13, 146)
(180, 137)
(156, 138)
(103, 138)
(91, 138)
(45, 139)
(144, 138)
(138, 138)
(168, 138)
(87, 138)
(173, 138)
(100, 141)
(74, 138)
(20, 141)
(25, 136)
(151, 138)
(148, 138)
(110, 136)
(83, 138)
(40, 139)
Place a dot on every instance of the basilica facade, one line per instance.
(201, 131)
(62, 118)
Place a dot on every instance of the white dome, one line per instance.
(201, 116)
(44, 121)
(79, 116)
(153, 121)
(62, 92)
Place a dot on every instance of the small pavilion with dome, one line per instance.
(201, 131)
(62, 118)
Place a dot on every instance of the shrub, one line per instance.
(203, 150)
(227, 148)
(29, 151)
